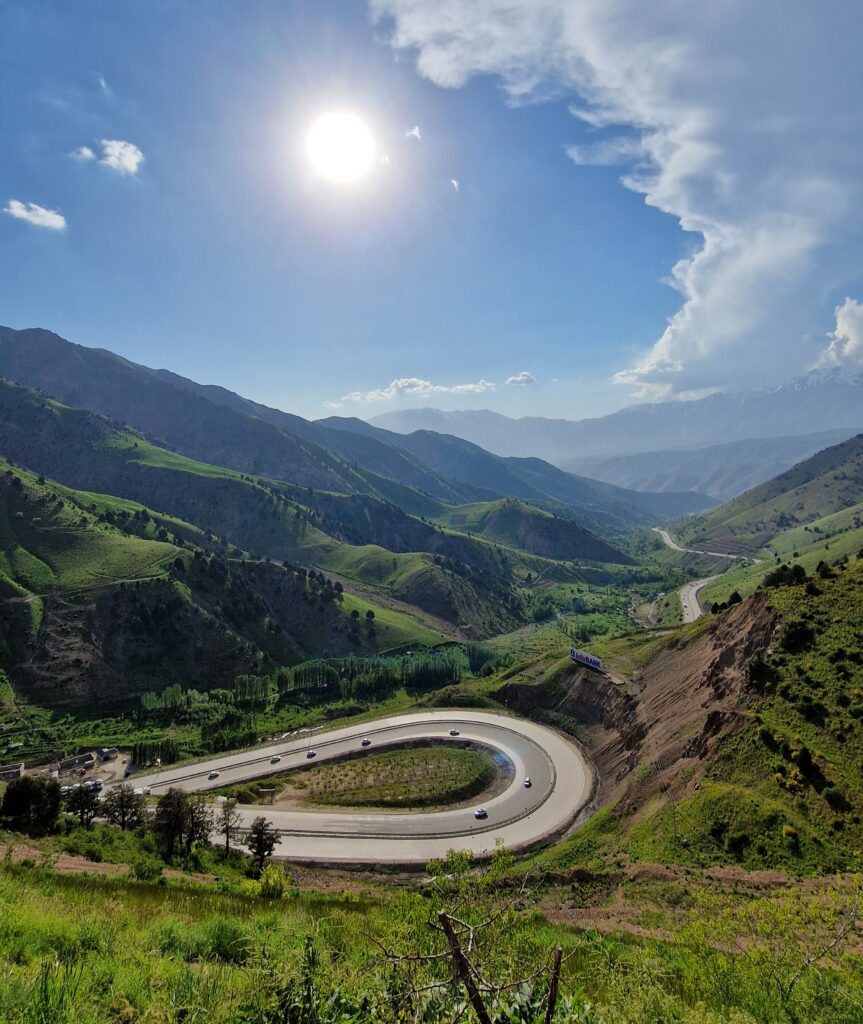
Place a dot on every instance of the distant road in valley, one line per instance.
(692, 609)
(561, 786)
(669, 540)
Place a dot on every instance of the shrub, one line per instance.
(274, 882)
(796, 636)
(146, 869)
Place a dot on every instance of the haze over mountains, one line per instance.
(791, 416)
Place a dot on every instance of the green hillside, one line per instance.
(826, 483)
(518, 525)
(263, 517)
(103, 599)
(835, 536)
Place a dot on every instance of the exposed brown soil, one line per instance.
(669, 714)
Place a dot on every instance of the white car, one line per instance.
(312, 753)
(480, 813)
(366, 741)
(453, 732)
(213, 775)
(275, 759)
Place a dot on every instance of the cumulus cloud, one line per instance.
(120, 156)
(845, 347)
(521, 379)
(744, 124)
(124, 157)
(411, 386)
(38, 216)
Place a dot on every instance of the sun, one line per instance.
(340, 147)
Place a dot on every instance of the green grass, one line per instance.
(47, 543)
(78, 950)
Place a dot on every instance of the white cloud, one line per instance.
(38, 216)
(742, 121)
(456, 184)
(521, 379)
(124, 157)
(411, 386)
(102, 81)
(846, 341)
(414, 133)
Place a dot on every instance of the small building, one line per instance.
(8, 772)
(108, 753)
(71, 764)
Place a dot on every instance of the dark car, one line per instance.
(312, 753)
(480, 813)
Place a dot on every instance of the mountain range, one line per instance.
(721, 471)
(821, 400)
(214, 425)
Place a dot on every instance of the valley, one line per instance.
(361, 639)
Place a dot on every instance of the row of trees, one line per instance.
(180, 822)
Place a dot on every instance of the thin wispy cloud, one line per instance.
(758, 159)
(414, 133)
(83, 153)
(411, 387)
(521, 380)
(38, 216)
(456, 184)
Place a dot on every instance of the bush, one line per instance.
(146, 869)
(273, 882)
(796, 636)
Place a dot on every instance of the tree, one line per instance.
(124, 807)
(31, 804)
(199, 823)
(370, 615)
(261, 841)
(228, 824)
(169, 821)
(84, 802)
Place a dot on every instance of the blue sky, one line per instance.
(209, 245)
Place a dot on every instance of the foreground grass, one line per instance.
(78, 950)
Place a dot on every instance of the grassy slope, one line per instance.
(828, 482)
(256, 515)
(519, 525)
(824, 539)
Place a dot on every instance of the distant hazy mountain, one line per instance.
(822, 400)
(531, 479)
(722, 471)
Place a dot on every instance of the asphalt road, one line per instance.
(692, 609)
(670, 542)
(689, 592)
(520, 817)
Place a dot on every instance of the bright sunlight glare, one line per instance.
(340, 147)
